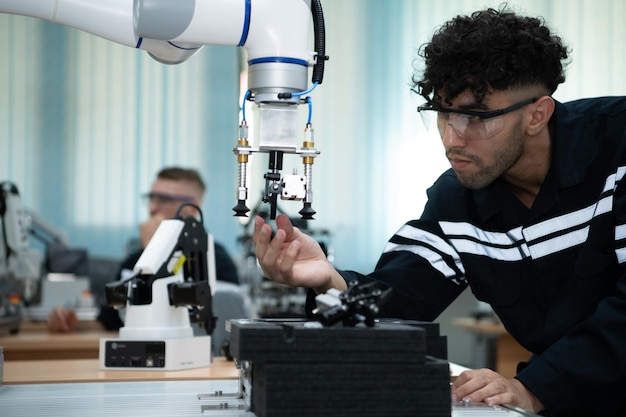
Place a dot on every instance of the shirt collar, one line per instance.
(572, 150)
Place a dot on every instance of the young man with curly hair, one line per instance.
(531, 216)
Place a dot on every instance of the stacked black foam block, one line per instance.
(302, 370)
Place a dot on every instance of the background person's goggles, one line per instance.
(167, 199)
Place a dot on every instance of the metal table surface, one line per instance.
(153, 399)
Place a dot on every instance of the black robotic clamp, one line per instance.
(274, 188)
(358, 304)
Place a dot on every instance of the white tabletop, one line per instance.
(153, 399)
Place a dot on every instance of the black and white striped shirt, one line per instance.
(553, 273)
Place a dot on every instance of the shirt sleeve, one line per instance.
(583, 373)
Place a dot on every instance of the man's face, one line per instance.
(166, 196)
(480, 150)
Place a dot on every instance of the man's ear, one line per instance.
(542, 111)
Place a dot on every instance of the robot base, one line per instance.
(155, 354)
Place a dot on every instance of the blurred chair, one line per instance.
(228, 303)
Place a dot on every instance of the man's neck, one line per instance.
(527, 176)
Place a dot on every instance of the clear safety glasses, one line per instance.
(165, 199)
(468, 124)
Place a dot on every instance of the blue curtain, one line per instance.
(85, 124)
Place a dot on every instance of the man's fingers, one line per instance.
(485, 385)
(488, 391)
(273, 253)
(258, 223)
(288, 260)
(261, 236)
(504, 398)
(465, 385)
(56, 321)
(268, 252)
(277, 255)
(477, 385)
(283, 222)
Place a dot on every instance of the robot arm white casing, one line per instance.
(172, 31)
(276, 36)
(109, 19)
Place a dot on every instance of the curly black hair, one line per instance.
(491, 49)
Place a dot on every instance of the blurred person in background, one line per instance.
(172, 187)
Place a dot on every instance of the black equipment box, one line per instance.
(299, 368)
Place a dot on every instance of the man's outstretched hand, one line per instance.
(293, 258)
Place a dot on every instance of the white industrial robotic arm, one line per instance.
(276, 36)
